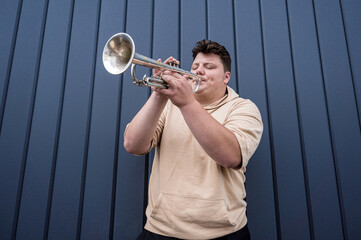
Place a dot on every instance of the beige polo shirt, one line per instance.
(190, 195)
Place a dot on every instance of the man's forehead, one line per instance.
(207, 58)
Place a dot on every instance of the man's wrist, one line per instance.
(159, 97)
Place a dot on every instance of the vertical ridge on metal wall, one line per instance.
(271, 140)
(179, 29)
(207, 19)
(58, 124)
(117, 142)
(10, 62)
(88, 124)
(349, 62)
(300, 127)
(342, 109)
(336, 168)
(29, 124)
(235, 45)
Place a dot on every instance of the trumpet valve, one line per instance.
(174, 63)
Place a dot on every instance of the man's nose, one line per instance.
(199, 71)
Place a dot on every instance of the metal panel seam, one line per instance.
(117, 141)
(58, 125)
(336, 168)
(30, 119)
(10, 63)
(349, 63)
(88, 124)
(274, 175)
(300, 129)
(235, 45)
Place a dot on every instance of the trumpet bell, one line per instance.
(118, 53)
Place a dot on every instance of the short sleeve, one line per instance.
(245, 121)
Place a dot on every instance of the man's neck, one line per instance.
(208, 101)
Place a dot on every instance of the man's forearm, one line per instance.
(216, 140)
(140, 131)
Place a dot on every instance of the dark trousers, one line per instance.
(242, 234)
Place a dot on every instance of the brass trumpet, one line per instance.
(119, 53)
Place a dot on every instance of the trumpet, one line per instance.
(119, 53)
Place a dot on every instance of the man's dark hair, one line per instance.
(207, 46)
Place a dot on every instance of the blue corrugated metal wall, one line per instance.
(64, 173)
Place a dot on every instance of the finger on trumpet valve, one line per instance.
(174, 63)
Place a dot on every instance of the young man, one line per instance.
(203, 143)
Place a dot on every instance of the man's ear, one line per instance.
(227, 77)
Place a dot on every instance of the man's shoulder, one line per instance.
(240, 102)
